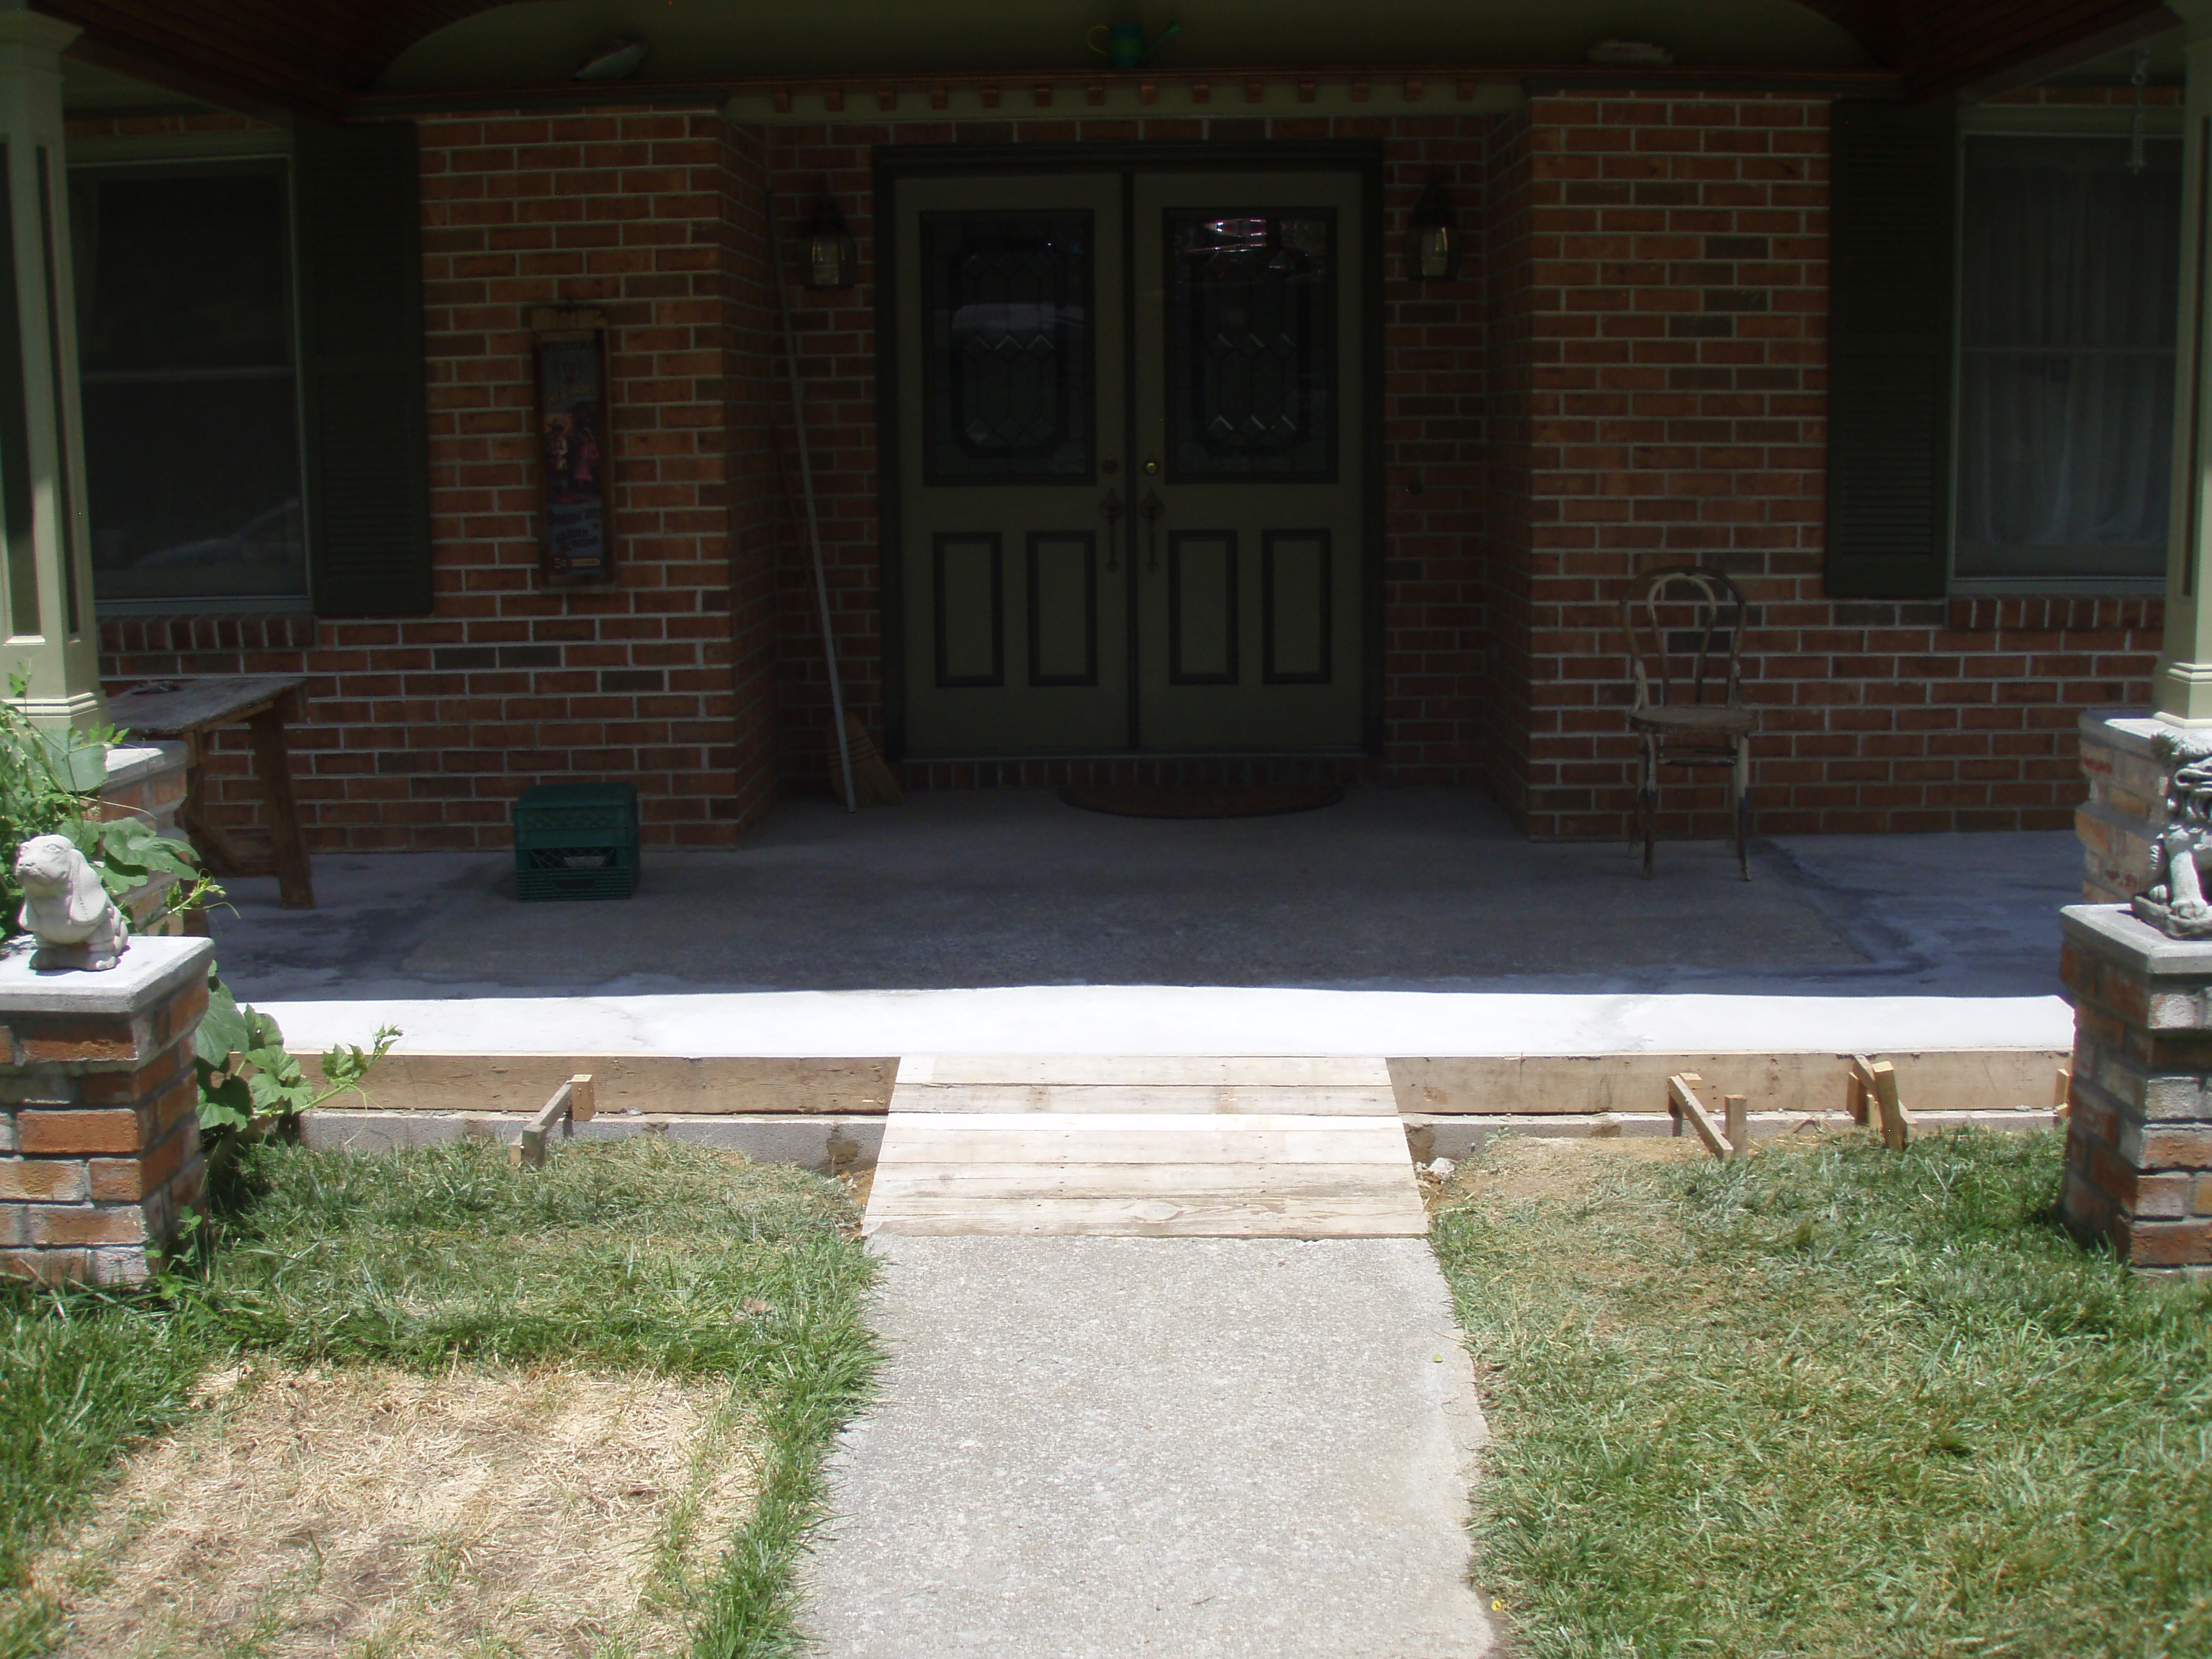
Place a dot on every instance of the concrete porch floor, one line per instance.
(988, 909)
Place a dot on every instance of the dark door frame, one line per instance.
(896, 162)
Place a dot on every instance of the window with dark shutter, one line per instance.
(367, 429)
(1893, 203)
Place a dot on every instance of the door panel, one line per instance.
(1295, 619)
(1202, 607)
(1247, 414)
(1011, 404)
(1063, 581)
(970, 612)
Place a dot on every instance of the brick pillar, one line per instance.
(100, 1140)
(2139, 1144)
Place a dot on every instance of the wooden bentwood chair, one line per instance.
(1695, 718)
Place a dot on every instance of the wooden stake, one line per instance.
(1683, 1103)
(571, 1100)
(1898, 1124)
(1735, 1113)
(1860, 1101)
(2062, 1096)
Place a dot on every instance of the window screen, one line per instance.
(2067, 283)
(184, 340)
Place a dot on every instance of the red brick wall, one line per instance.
(1659, 285)
(421, 733)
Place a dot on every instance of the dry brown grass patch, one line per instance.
(385, 1515)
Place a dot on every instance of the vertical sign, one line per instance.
(574, 447)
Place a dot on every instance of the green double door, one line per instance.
(1130, 491)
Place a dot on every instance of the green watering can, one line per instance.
(1125, 43)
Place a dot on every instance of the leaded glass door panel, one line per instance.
(1013, 413)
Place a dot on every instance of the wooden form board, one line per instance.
(1982, 1079)
(1956, 1081)
(1237, 1148)
(625, 1083)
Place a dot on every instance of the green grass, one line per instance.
(639, 1254)
(1834, 1401)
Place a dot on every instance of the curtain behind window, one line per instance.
(2069, 279)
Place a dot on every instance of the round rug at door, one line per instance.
(1200, 801)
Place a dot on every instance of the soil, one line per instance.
(374, 1512)
(1538, 1167)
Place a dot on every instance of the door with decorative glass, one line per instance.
(1129, 424)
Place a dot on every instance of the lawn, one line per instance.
(638, 1353)
(1830, 1401)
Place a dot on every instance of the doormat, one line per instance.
(1201, 800)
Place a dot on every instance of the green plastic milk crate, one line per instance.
(576, 840)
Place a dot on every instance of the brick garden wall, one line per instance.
(1659, 298)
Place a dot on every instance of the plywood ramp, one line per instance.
(1220, 1147)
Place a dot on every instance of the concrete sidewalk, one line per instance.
(1203, 1447)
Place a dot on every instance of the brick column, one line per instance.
(99, 1141)
(2139, 1144)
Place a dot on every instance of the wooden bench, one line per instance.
(190, 706)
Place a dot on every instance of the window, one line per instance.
(188, 360)
(2069, 264)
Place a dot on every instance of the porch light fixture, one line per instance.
(1431, 239)
(831, 256)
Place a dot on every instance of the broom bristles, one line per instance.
(872, 779)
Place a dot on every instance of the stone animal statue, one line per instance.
(65, 908)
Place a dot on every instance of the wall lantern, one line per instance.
(831, 258)
(1431, 239)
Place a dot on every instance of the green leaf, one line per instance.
(262, 1030)
(228, 1105)
(273, 1062)
(223, 1031)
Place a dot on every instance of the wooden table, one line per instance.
(191, 706)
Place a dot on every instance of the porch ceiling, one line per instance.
(314, 57)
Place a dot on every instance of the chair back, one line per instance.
(1685, 630)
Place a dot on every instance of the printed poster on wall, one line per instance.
(574, 448)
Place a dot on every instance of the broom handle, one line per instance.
(807, 490)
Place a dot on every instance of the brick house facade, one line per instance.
(1629, 373)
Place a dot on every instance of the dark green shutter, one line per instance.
(359, 190)
(1893, 225)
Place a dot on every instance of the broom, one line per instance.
(872, 782)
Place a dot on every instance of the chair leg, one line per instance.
(1740, 778)
(1647, 804)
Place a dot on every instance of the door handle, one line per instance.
(1111, 507)
(1151, 509)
